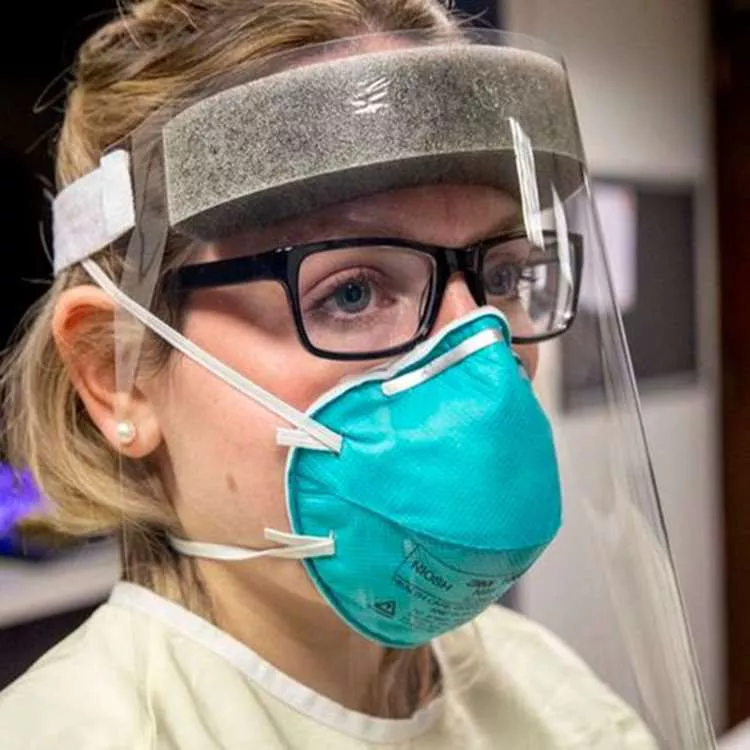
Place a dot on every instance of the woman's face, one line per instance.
(219, 451)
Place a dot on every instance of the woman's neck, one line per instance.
(306, 640)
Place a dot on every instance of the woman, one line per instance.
(310, 339)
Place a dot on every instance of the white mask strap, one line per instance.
(294, 546)
(327, 439)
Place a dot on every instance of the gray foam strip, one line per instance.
(332, 131)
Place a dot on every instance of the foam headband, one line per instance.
(335, 130)
(313, 136)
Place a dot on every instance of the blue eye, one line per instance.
(352, 297)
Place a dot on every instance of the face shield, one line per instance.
(334, 195)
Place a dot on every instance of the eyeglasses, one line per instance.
(372, 297)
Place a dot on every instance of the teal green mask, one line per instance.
(445, 490)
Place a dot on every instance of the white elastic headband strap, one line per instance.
(294, 546)
(327, 438)
(94, 211)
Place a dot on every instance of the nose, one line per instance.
(457, 301)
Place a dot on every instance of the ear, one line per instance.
(83, 329)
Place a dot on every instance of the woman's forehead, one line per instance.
(440, 214)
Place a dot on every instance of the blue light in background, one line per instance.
(19, 496)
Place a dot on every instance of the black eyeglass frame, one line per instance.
(282, 264)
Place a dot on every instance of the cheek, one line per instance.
(228, 472)
(253, 332)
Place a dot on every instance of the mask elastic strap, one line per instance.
(326, 439)
(295, 546)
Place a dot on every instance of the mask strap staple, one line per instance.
(298, 439)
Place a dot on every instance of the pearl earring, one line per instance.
(125, 432)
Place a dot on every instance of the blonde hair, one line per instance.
(127, 70)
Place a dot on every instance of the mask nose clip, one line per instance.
(434, 367)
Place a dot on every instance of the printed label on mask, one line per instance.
(442, 594)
